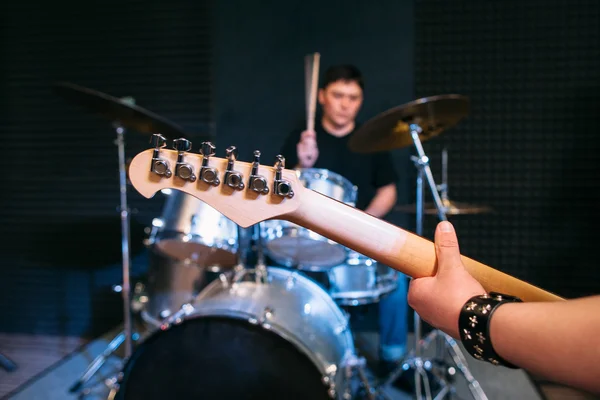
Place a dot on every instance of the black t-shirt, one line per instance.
(367, 171)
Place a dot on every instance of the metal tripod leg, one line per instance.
(414, 359)
(6, 363)
(98, 362)
(461, 363)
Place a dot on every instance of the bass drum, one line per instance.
(292, 245)
(275, 334)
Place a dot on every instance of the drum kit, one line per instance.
(232, 312)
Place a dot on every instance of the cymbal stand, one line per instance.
(7, 364)
(125, 239)
(414, 359)
(126, 336)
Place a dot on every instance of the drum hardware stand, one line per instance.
(355, 363)
(126, 336)
(414, 358)
(7, 364)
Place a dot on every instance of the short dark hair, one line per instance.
(345, 72)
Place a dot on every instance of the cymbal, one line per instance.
(121, 111)
(451, 208)
(391, 129)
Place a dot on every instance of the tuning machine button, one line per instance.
(182, 169)
(281, 187)
(233, 179)
(257, 183)
(208, 174)
(159, 165)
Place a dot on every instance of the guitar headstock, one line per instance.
(245, 192)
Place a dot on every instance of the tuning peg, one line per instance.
(207, 149)
(257, 182)
(281, 187)
(257, 156)
(182, 169)
(158, 141)
(231, 153)
(158, 165)
(182, 144)
(233, 178)
(207, 174)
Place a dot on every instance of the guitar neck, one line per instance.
(395, 247)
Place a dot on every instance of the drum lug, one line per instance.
(177, 318)
(341, 329)
(266, 316)
(329, 380)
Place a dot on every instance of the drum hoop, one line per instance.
(319, 363)
(328, 175)
(314, 287)
(169, 234)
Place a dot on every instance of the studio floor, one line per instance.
(48, 366)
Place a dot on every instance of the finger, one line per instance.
(308, 135)
(446, 247)
(418, 290)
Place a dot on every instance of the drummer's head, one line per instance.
(341, 94)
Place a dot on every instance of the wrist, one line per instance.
(474, 326)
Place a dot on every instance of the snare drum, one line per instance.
(261, 334)
(291, 245)
(191, 230)
(360, 280)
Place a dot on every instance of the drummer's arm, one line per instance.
(384, 200)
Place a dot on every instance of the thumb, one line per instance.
(446, 247)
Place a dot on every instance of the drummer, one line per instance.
(340, 97)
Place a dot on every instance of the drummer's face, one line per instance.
(341, 101)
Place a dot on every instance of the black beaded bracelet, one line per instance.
(474, 326)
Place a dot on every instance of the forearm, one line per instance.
(383, 201)
(557, 341)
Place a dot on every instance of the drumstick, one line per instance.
(311, 69)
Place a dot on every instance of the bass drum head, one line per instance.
(215, 358)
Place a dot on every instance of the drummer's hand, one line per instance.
(439, 299)
(307, 149)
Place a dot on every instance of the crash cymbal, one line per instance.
(121, 111)
(390, 129)
(451, 208)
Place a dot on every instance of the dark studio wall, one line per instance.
(259, 67)
(61, 238)
(234, 69)
(529, 147)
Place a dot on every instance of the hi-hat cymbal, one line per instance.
(450, 208)
(391, 129)
(121, 111)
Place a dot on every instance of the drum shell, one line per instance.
(360, 280)
(292, 245)
(191, 230)
(287, 304)
(170, 284)
(293, 306)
